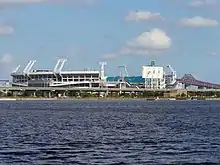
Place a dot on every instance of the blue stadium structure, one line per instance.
(129, 79)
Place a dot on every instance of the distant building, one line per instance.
(153, 77)
(55, 78)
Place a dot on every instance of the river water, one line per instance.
(109, 132)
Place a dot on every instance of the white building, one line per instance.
(154, 77)
(55, 77)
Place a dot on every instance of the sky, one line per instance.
(182, 33)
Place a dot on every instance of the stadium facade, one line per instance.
(153, 77)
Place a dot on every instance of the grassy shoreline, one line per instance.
(103, 98)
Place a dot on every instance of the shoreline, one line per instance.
(101, 98)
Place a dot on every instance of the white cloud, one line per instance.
(199, 3)
(199, 22)
(6, 59)
(142, 16)
(215, 53)
(152, 41)
(6, 30)
(6, 64)
(148, 43)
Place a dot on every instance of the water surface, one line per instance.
(109, 132)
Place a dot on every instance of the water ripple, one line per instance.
(110, 132)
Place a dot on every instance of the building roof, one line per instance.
(130, 79)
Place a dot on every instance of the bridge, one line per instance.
(188, 80)
(4, 80)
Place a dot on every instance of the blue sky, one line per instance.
(185, 34)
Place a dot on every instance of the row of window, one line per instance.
(55, 79)
(53, 76)
(75, 85)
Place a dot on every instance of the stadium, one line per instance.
(153, 77)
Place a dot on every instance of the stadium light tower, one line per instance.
(123, 73)
(102, 73)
